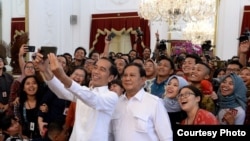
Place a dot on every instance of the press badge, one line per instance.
(4, 94)
(32, 126)
(65, 112)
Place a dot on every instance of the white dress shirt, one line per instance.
(93, 109)
(140, 118)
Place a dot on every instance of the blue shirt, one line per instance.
(156, 89)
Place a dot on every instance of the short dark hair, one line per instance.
(5, 121)
(115, 81)
(139, 58)
(113, 70)
(66, 53)
(195, 57)
(85, 73)
(235, 62)
(91, 53)
(146, 48)
(81, 48)
(196, 91)
(139, 66)
(163, 57)
(206, 65)
(55, 127)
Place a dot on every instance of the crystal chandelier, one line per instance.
(174, 10)
(196, 15)
(198, 32)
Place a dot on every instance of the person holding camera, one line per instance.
(160, 48)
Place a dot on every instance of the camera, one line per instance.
(31, 48)
(139, 32)
(246, 32)
(111, 35)
(162, 45)
(206, 45)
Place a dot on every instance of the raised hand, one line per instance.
(55, 66)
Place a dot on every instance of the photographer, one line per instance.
(160, 48)
(138, 42)
(244, 45)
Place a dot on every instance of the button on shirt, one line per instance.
(140, 118)
(93, 109)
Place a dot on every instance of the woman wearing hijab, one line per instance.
(232, 100)
(174, 84)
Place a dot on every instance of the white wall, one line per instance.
(49, 22)
(228, 29)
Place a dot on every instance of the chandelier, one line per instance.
(196, 16)
(198, 32)
(174, 10)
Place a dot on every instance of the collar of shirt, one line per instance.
(162, 83)
(139, 95)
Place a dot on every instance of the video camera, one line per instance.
(162, 45)
(206, 45)
(246, 32)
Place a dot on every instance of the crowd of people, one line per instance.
(116, 97)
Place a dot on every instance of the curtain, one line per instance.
(17, 26)
(119, 23)
(246, 22)
(246, 19)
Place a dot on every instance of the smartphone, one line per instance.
(233, 111)
(45, 50)
(31, 48)
(111, 35)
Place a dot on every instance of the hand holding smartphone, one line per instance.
(31, 48)
(233, 111)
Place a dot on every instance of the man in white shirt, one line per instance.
(94, 107)
(139, 116)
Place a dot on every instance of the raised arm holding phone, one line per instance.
(94, 107)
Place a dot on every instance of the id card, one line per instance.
(65, 112)
(32, 126)
(4, 94)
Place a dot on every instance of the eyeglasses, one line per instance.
(79, 75)
(232, 70)
(184, 95)
(29, 67)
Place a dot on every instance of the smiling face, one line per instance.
(198, 73)
(78, 76)
(227, 86)
(172, 88)
(164, 68)
(187, 100)
(29, 69)
(120, 65)
(150, 68)
(245, 75)
(188, 65)
(132, 80)
(100, 75)
(30, 86)
(79, 54)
